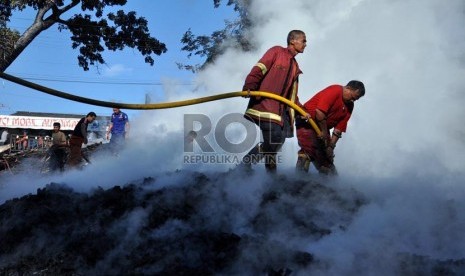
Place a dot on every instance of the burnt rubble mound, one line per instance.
(193, 226)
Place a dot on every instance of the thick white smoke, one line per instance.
(404, 147)
(410, 58)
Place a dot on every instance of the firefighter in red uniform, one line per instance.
(331, 108)
(276, 72)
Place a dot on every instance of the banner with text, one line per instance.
(8, 121)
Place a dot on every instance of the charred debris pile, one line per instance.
(191, 227)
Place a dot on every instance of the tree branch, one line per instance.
(70, 6)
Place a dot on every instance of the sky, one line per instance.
(404, 146)
(50, 61)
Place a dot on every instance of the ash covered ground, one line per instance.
(190, 223)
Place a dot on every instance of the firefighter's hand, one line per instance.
(323, 139)
(248, 93)
(306, 117)
(330, 153)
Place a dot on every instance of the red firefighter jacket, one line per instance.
(276, 72)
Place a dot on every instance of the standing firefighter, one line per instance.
(78, 138)
(276, 72)
(330, 108)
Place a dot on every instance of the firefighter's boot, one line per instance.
(253, 157)
(303, 162)
(270, 162)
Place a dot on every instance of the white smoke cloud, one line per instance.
(404, 145)
(402, 51)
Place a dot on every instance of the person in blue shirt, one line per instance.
(119, 129)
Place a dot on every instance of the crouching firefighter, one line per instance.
(331, 108)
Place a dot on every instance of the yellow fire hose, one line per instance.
(159, 105)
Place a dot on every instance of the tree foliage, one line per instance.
(91, 31)
(211, 46)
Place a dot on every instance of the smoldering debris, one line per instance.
(182, 229)
(185, 223)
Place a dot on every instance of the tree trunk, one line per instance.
(9, 54)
